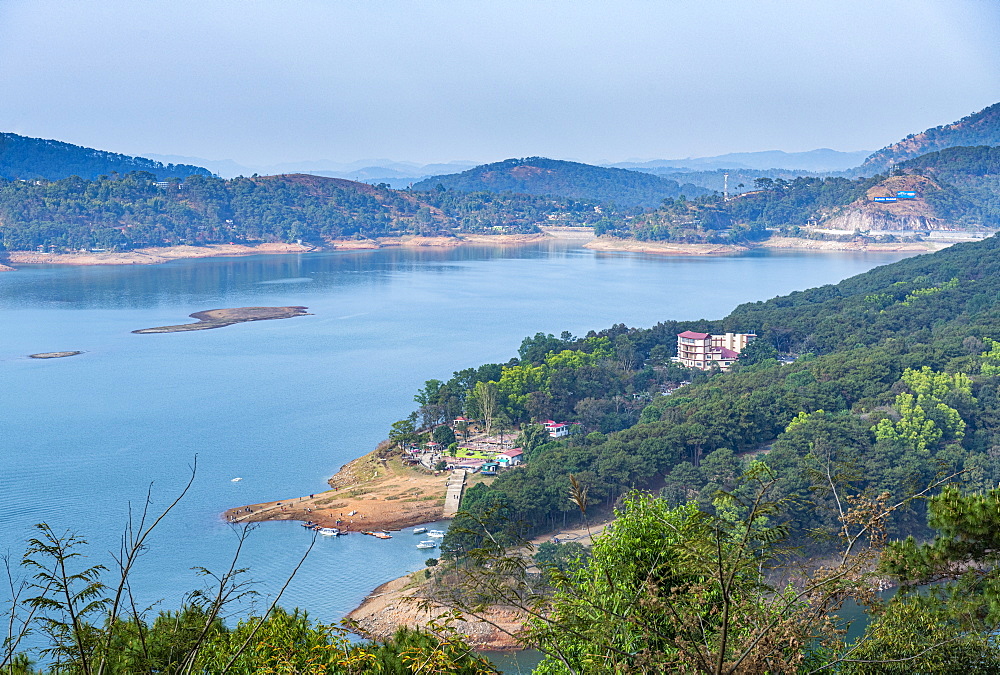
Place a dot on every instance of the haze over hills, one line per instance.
(981, 128)
(395, 173)
(543, 176)
(24, 158)
(818, 161)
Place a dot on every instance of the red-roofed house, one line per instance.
(556, 429)
(511, 457)
(702, 350)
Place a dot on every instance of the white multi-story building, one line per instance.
(703, 350)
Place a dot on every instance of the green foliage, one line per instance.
(132, 210)
(38, 158)
(542, 176)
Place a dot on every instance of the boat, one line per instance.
(329, 531)
(437, 534)
(235, 480)
(430, 543)
(379, 535)
(419, 530)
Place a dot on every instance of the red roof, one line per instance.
(691, 334)
(516, 452)
(728, 353)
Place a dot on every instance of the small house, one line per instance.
(556, 429)
(510, 458)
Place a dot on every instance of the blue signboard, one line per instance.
(906, 194)
(884, 199)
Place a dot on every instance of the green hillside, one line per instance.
(134, 211)
(39, 158)
(858, 346)
(541, 176)
(981, 128)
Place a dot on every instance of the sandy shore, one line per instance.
(162, 254)
(385, 495)
(396, 603)
(611, 244)
(149, 256)
(819, 245)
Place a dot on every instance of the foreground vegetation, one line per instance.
(751, 505)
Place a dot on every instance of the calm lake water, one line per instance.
(283, 404)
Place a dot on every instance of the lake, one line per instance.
(283, 404)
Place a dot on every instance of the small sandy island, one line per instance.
(382, 492)
(217, 318)
(53, 355)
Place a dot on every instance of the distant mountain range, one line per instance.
(23, 158)
(395, 174)
(822, 160)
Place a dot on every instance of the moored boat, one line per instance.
(437, 534)
(329, 531)
(427, 544)
(419, 530)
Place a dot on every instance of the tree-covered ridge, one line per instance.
(981, 128)
(134, 211)
(868, 392)
(39, 158)
(542, 176)
(956, 187)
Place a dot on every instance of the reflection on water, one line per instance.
(284, 404)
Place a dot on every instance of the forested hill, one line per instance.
(894, 377)
(981, 128)
(136, 210)
(541, 176)
(33, 158)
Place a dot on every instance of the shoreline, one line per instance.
(156, 255)
(399, 602)
(610, 244)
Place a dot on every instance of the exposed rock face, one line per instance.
(906, 214)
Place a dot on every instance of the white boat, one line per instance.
(329, 531)
(427, 544)
(235, 480)
(419, 530)
(437, 534)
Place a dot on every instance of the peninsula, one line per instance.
(372, 492)
(217, 318)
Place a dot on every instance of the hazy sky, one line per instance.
(437, 80)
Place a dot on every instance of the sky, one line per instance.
(269, 81)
